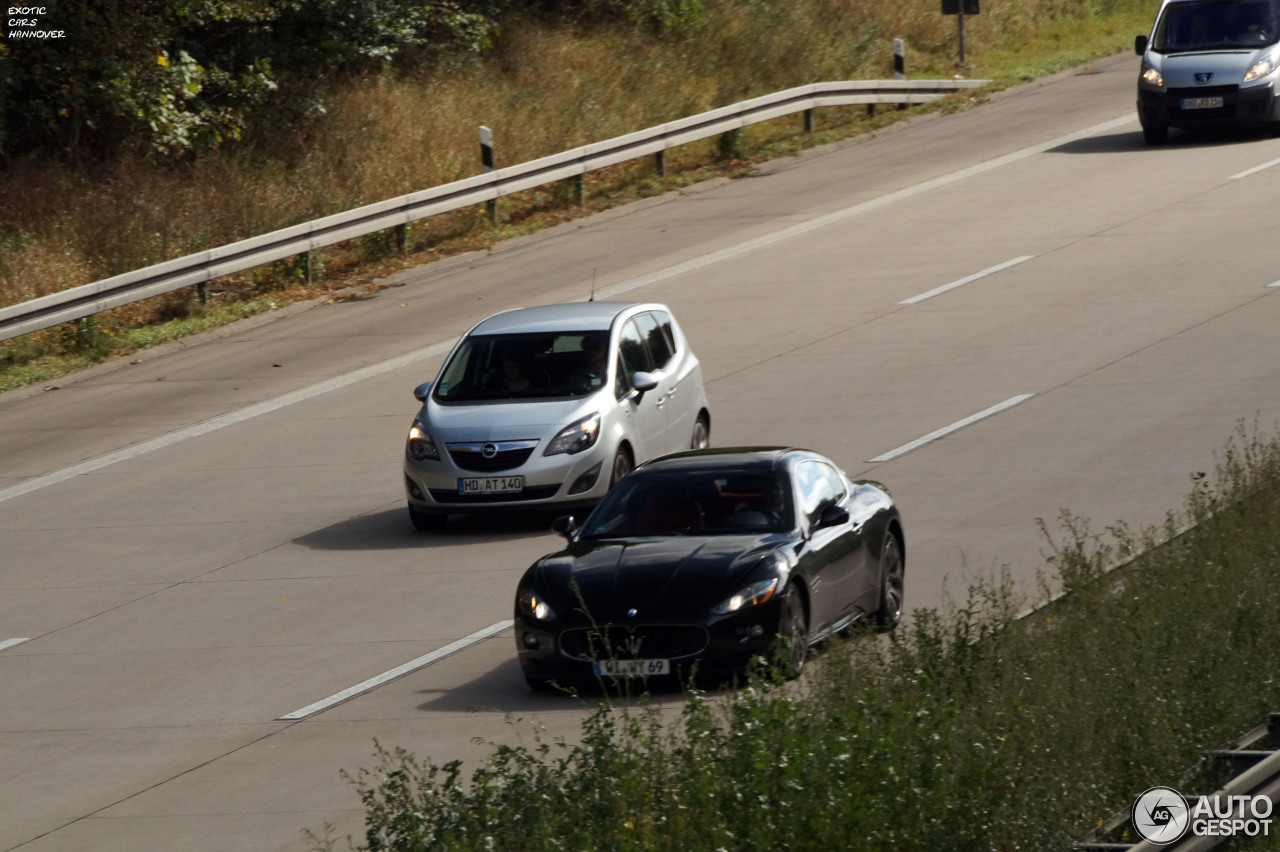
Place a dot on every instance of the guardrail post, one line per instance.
(202, 292)
(580, 190)
(808, 121)
(871, 110)
(308, 267)
(660, 163)
(402, 239)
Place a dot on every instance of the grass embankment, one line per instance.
(971, 729)
(547, 86)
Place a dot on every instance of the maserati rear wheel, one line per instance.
(892, 581)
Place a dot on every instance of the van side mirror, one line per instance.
(1140, 45)
(421, 391)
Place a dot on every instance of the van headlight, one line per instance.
(419, 444)
(1152, 76)
(1260, 69)
(576, 437)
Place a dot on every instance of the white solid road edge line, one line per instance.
(963, 281)
(946, 430)
(1255, 170)
(398, 671)
(9, 643)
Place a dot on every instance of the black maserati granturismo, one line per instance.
(701, 562)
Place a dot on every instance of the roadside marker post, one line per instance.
(486, 163)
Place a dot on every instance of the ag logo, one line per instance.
(1161, 815)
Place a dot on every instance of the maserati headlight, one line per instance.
(1260, 69)
(533, 605)
(419, 444)
(1152, 76)
(753, 595)
(575, 437)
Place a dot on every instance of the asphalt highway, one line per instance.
(1001, 314)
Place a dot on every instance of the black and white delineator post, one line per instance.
(900, 63)
(486, 162)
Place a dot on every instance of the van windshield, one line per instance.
(551, 365)
(1216, 25)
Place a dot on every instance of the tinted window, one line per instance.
(659, 343)
(635, 354)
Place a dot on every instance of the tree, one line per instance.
(177, 78)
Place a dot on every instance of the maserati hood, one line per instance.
(656, 577)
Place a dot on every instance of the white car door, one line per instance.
(644, 411)
(668, 364)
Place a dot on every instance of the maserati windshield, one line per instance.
(694, 502)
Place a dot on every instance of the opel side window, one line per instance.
(664, 322)
(659, 345)
(634, 352)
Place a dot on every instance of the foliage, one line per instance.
(970, 729)
(180, 77)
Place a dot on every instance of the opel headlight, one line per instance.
(419, 445)
(1152, 76)
(1260, 69)
(575, 437)
(533, 605)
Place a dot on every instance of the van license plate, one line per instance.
(1202, 103)
(491, 485)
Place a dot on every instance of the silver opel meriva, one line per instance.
(550, 406)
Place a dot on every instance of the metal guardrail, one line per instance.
(1253, 771)
(88, 299)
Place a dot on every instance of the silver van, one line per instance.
(550, 406)
(1209, 63)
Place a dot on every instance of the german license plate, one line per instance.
(632, 668)
(491, 485)
(1202, 103)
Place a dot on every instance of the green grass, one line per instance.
(63, 225)
(968, 729)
